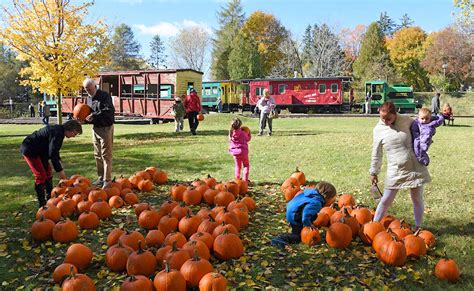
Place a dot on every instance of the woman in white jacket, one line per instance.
(392, 133)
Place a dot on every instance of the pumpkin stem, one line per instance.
(73, 275)
(211, 219)
(297, 170)
(188, 215)
(132, 278)
(346, 212)
(196, 256)
(226, 231)
(209, 176)
(167, 267)
(174, 248)
(140, 250)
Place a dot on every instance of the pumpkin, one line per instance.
(368, 231)
(198, 246)
(67, 206)
(151, 170)
(84, 206)
(194, 269)
(298, 175)
(223, 198)
(141, 262)
(138, 282)
(223, 227)
(132, 239)
(381, 238)
(176, 257)
(177, 237)
(290, 182)
(329, 210)
(62, 271)
(310, 235)
(125, 191)
(447, 269)
(168, 224)
(393, 252)
(116, 257)
(189, 224)
(228, 246)
(428, 237)
(88, 220)
(169, 280)
(149, 219)
(200, 116)
(210, 181)
(322, 220)
(414, 245)
(228, 217)
(114, 236)
(154, 238)
(116, 202)
(339, 235)
(180, 211)
(140, 207)
(232, 187)
(112, 191)
(346, 200)
(242, 215)
(145, 185)
(201, 189)
(77, 281)
(57, 191)
(387, 220)
(144, 175)
(168, 206)
(396, 224)
(97, 194)
(291, 191)
(64, 232)
(81, 111)
(204, 213)
(160, 177)
(124, 182)
(216, 210)
(177, 192)
(42, 229)
(243, 186)
(220, 187)
(205, 237)
(213, 282)
(191, 196)
(134, 180)
(401, 232)
(336, 217)
(77, 198)
(351, 222)
(209, 196)
(208, 225)
(79, 255)
(131, 198)
(160, 255)
(251, 205)
(237, 204)
(102, 209)
(362, 215)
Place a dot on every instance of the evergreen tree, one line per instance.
(125, 54)
(373, 61)
(9, 71)
(231, 18)
(244, 59)
(157, 57)
(307, 44)
(405, 22)
(386, 24)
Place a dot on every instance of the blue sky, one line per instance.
(166, 17)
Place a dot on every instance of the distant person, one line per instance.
(44, 145)
(102, 118)
(31, 108)
(40, 109)
(435, 104)
(265, 104)
(351, 99)
(392, 134)
(448, 114)
(422, 130)
(178, 112)
(239, 149)
(302, 210)
(219, 104)
(46, 113)
(368, 102)
(192, 103)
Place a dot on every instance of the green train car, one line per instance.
(224, 90)
(381, 92)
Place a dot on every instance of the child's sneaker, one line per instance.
(283, 240)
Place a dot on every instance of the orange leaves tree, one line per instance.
(59, 47)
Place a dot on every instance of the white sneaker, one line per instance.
(98, 183)
(105, 184)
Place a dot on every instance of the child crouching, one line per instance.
(302, 210)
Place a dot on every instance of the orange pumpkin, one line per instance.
(368, 231)
(393, 252)
(169, 280)
(428, 237)
(64, 232)
(298, 175)
(77, 281)
(251, 205)
(79, 255)
(198, 246)
(177, 192)
(102, 209)
(141, 262)
(116, 257)
(176, 257)
(62, 271)
(189, 224)
(346, 200)
(177, 237)
(447, 269)
(228, 246)
(114, 235)
(81, 111)
(213, 282)
(154, 238)
(194, 269)
(132, 239)
(160, 177)
(205, 237)
(339, 235)
(137, 282)
(88, 220)
(310, 235)
(414, 245)
(42, 229)
(149, 219)
(168, 224)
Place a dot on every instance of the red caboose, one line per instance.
(298, 94)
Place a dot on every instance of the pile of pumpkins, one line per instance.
(391, 238)
(183, 241)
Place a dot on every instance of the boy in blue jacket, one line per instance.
(302, 210)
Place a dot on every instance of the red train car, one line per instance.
(147, 94)
(297, 94)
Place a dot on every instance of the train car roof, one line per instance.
(344, 78)
(138, 72)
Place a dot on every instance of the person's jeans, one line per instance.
(103, 140)
(45, 120)
(263, 121)
(193, 122)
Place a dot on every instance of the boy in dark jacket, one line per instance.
(303, 209)
(44, 145)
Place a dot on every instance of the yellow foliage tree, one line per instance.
(268, 33)
(60, 49)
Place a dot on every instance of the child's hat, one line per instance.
(177, 99)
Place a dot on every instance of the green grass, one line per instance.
(332, 149)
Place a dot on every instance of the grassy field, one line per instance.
(332, 149)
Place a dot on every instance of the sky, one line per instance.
(165, 17)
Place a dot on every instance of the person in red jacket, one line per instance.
(192, 103)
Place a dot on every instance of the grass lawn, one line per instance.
(332, 149)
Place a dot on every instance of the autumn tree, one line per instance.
(405, 22)
(268, 33)
(157, 56)
(189, 48)
(466, 10)
(125, 53)
(406, 50)
(449, 53)
(244, 58)
(231, 18)
(351, 40)
(373, 61)
(57, 44)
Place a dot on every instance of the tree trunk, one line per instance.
(59, 110)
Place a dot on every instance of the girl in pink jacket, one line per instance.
(238, 147)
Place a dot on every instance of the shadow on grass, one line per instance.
(12, 135)
(171, 134)
(459, 125)
(448, 227)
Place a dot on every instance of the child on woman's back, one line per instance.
(303, 209)
(422, 130)
(239, 149)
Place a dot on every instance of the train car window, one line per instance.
(322, 88)
(334, 88)
(215, 90)
(207, 91)
(258, 92)
(282, 88)
(395, 95)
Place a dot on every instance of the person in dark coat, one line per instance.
(102, 118)
(192, 103)
(42, 146)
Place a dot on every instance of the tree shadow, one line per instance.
(171, 134)
(459, 125)
(448, 227)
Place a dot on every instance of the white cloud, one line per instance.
(168, 29)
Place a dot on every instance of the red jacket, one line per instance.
(192, 103)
